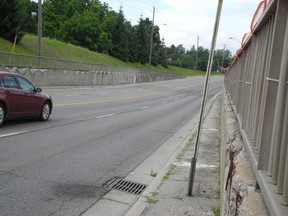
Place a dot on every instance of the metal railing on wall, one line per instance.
(257, 84)
(29, 61)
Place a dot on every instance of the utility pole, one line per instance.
(151, 39)
(203, 103)
(39, 31)
(195, 68)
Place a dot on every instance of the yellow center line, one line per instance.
(116, 99)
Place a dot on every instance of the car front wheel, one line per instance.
(45, 112)
(2, 114)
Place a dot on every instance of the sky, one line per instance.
(181, 21)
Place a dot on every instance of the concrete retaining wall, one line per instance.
(52, 77)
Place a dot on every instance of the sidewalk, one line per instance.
(170, 198)
(168, 181)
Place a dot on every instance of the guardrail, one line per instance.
(29, 61)
(257, 86)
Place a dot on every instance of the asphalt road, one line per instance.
(94, 134)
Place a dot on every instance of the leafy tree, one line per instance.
(30, 16)
(53, 14)
(11, 12)
(203, 55)
(220, 56)
(82, 30)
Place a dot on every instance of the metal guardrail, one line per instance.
(19, 60)
(257, 86)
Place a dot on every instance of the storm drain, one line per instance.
(125, 186)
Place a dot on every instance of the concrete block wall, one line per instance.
(51, 77)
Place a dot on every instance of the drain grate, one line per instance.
(125, 186)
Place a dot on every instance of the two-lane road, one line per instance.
(58, 167)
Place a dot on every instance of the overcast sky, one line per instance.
(185, 19)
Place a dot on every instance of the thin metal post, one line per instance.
(208, 72)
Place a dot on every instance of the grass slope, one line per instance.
(57, 49)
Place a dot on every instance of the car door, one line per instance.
(13, 97)
(31, 100)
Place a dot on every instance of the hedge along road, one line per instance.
(58, 167)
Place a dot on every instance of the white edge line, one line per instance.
(141, 108)
(105, 116)
(12, 134)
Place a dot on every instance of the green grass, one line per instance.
(57, 49)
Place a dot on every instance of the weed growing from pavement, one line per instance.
(178, 198)
(217, 193)
(168, 173)
(154, 194)
(153, 198)
(216, 211)
(182, 152)
(216, 170)
(152, 173)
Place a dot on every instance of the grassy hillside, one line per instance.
(56, 49)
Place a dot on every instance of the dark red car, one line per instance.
(20, 98)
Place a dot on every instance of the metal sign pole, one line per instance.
(208, 72)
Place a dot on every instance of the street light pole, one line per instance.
(151, 39)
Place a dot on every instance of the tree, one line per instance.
(53, 18)
(120, 48)
(30, 16)
(11, 12)
(158, 53)
(143, 30)
(163, 55)
(82, 30)
(133, 43)
(203, 56)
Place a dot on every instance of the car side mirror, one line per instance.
(38, 89)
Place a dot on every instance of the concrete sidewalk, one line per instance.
(166, 172)
(170, 197)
